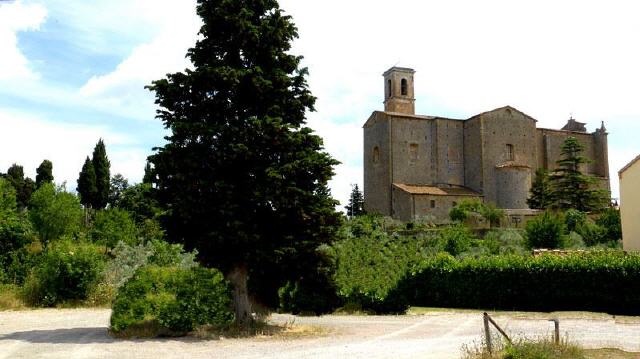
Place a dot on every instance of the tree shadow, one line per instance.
(87, 335)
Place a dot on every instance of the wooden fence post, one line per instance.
(487, 334)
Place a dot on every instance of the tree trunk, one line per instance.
(238, 277)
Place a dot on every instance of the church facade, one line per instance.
(417, 166)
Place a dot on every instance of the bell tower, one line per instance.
(398, 90)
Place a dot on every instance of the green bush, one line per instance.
(591, 233)
(610, 220)
(173, 300)
(20, 263)
(308, 297)
(54, 212)
(574, 219)
(546, 231)
(606, 281)
(66, 271)
(113, 225)
(455, 239)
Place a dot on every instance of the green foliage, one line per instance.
(15, 230)
(356, 203)
(54, 212)
(574, 219)
(610, 220)
(315, 297)
(113, 225)
(20, 263)
(503, 241)
(542, 194)
(546, 231)
(606, 281)
(44, 173)
(177, 300)
(245, 181)
(467, 207)
(101, 167)
(117, 187)
(87, 189)
(66, 271)
(24, 187)
(572, 188)
(592, 233)
(140, 202)
(455, 239)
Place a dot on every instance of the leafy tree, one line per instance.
(610, 220)
(541, 191)
(54, 212)
(546, 231)
(87, 184)
(572, 188)
(244, 181)
(118, 185)
(14, 228)
(101, 167)
(113, 225)
(356, 203)
(139, 200)
(44, 173)
(24, 186)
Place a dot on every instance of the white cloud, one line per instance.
(123, 88)
(15, 17)
(29, 140)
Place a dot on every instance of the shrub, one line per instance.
(546, 231)
(311, 296)
(503, 241)
(54, 212)
(455, 239)
(574, 219)
(610, 220)
(592, 233)
(113, 225)
(461, 212)
(66, 271)
(172, 300)
(597, 281)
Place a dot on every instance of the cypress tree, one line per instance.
(572, 188)
(24, 186)
(541, 191)
(244, 181)
(101, 167)
(87, 188)
(44, 173)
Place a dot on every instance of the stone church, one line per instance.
(417, 166)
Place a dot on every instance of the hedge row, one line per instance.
(597, 281)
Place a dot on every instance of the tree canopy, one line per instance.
(101, 166)
(87, 184)
(44, 173)
(244, 181)
(541, 191)
(356, 203)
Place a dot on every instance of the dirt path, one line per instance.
(82, 333)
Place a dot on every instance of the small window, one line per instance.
(389, 88)
(433, 203)
(403, 87)
(413, 152)
(509, 152)
(376, 154)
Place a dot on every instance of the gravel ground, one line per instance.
(82, 333)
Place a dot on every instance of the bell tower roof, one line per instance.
(398, 90)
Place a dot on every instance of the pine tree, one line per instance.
(356, 202)
(118, 185)
(244, 181)
(541, 191)
(101, 167)
(87, 188)
(572, 188)
(44, 173)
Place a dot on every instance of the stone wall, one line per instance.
(377, 180)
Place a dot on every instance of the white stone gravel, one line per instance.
(82, 333)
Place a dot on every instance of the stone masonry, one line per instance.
(417, 166)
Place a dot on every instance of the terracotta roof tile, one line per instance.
(436, 191)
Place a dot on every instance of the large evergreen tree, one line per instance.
(24, 186)
(541, 191)
(356, 202)
(44, 173)
(87, 184)
(101, 167)
(572, 188)
(244, 181)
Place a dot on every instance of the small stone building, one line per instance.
(417, 166)
(630, 205)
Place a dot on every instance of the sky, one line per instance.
(74, 71)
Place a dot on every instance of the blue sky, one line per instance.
(73, 71)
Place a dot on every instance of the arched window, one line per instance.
(389, 88)
(376, 155)
(403, 87)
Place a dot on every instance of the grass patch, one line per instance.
(145, 329)
(608, 353)
(11, 298)
(261, 329)
(524, 348)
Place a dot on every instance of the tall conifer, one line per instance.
(101, 167)
(87, 184)
(44, 173)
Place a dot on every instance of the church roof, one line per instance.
(504, 108)
(436, 190)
